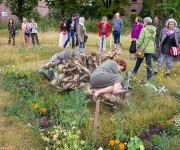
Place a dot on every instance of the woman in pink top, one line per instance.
(26, 29)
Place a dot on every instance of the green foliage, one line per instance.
(146, 11)
(165, 142)
(21, 8)
(135, 144)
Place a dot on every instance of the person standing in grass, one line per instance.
(63, 34)
(12, 31)
(169, 37)
(146, 41)
(34, 32)
(158, 26)
(81, 32)
(104, 27)
(71, 30)
(117, 26)
(136, 30)
(26, 31)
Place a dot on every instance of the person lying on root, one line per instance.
(107, 79)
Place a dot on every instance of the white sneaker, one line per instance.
(48, 65)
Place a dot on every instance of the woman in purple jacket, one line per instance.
(136, 29)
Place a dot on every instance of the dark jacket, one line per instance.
(158, 28)
(68, 24)
(163, 35)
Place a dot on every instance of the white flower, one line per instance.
(100, 148)
(82, 142)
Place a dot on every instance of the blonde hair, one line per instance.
(171, 20)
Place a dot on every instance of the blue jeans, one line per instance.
(70, 34)
(148, 63)
(81, 45)
(116, 35)
(102, 43)
(169, 62)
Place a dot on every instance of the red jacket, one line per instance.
(108, 26)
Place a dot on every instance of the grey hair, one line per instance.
(171, 20)
(81, 19)
(147, 20)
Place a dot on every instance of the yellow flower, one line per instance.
(121, 146)
(36, 105)
(74, 136)
(116, 141)
(43, 110)
(111, 143)
(58, 142)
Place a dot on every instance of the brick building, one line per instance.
(136, 6)
(5, 12)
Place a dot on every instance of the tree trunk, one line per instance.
(19, 9)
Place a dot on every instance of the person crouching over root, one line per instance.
(107, 79)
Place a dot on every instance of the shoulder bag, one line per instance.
(140, 51)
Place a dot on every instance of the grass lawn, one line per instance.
(147, 107)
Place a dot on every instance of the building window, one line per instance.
(134, 1)
(133, 10)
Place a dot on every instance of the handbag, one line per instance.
(140, 51)
(132, 48)
(85, 37)
(174, 51)
(27, 32)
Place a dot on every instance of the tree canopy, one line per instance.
(21, 8)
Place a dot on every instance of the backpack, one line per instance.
(15, 30)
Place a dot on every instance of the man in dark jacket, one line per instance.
(76, 20)
(71, 30)
(158, 26)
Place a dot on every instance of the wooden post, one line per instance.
(96, 119)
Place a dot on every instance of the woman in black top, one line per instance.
(12, 31)
(169, 37)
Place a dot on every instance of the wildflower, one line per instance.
(116, 141)
(58, 142)
(100, 148)
(74, 136)
(82, 142)
(169, 121)
(161, 124)
(121, 146)
(111, 143)
(47, 139)
(36, 105)
(55, 136)
(172, 117)
(73, 127)
(75, 146)
(43, 110)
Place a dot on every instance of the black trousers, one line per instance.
(11, 35)
(36, 37)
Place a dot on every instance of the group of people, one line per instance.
(74, 27)
(29, 29)
(155, 40)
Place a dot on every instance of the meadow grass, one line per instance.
(146, 106)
